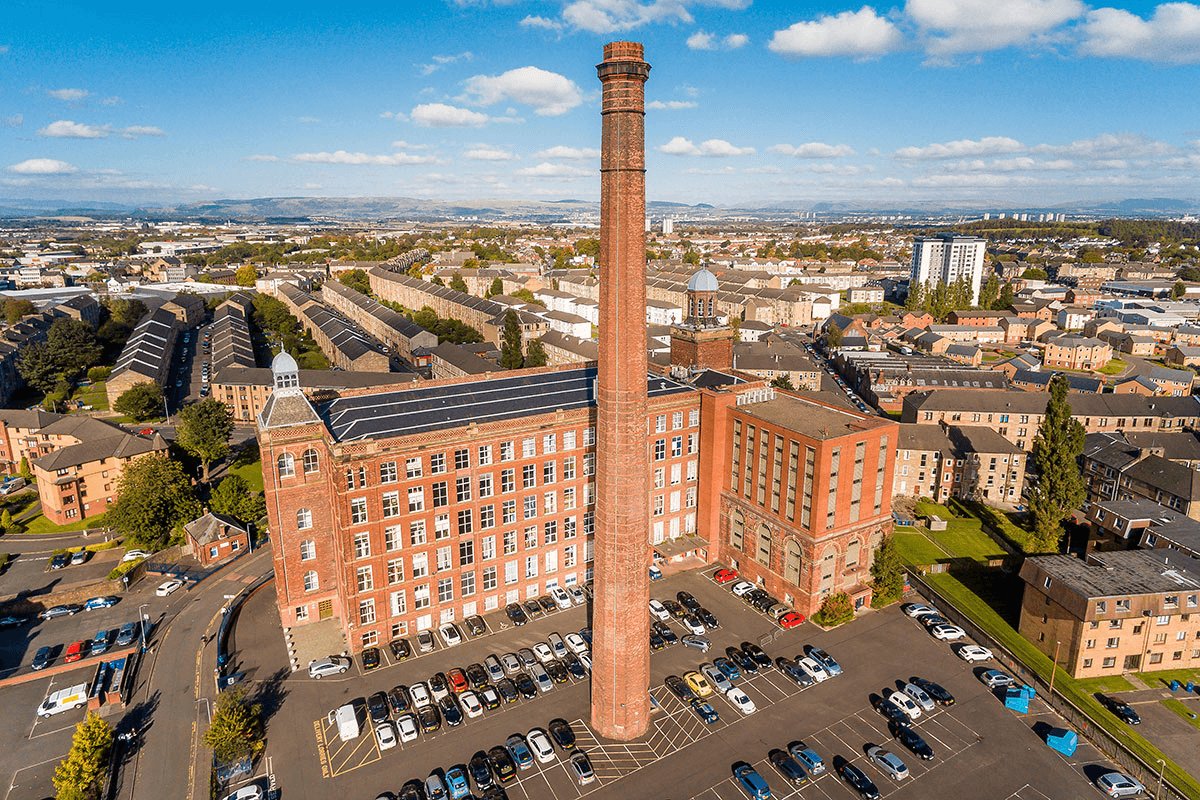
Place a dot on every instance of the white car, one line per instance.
(905, 704)
(919, 696)
(812, 668)
(742, 588)
(470, 704)
(577, 595)
(974, 652)
(740, 700)
(947, 633)
(560, 597)
(693, 625)
(543, 652)
(450, 634)
(419, 693)
(134, 555)
(168, 587)
(917, 610)
(385, 735)
(539, 744)
(407, 725)
(716, 678)
(658, 610)
(586, 660)
(251, 792)
(576, 643)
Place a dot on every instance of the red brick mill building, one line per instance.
(394, 511)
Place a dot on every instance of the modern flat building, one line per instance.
(947, 258)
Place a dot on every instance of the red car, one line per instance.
(458, 680)
(791, 619)
(76, 651)
(724, 575)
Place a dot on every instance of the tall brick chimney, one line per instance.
(620, 619)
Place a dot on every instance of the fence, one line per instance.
(1083, 724)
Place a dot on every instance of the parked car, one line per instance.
(577, 595)
(481, 771)
(516, 615)
(168, 587)
(456, 783)
(106, 601)
(385, 735)
(707, 617)
(100, 642)
(560, 597)
(750, 782)
(1123, 710)
(127, 633)
(42, 658)
(995, 679)
(907, 736)
(824, 659)
(457, 680)
(562, 733)
(888, 762)
(698, 684)
(503, 766)
(59, 561)
(370, 658)
(715, 677)
(519, 750)
(582, 767)
(475, 625)
(701, 643)
(687, 600)
(755, 652)
(539, 744)
(741, 588)
(425, 641)
(812, 668)
(973, 652)
(905, 704)
(792, 619)
(916, 610)
(377, 707)
(723, 575)
(450, 634)
(65, 610)
(80, 557)
(451, 712)
(1116, 784)
(947, 633)
(935, 691)
(707, 714)
(858, 780)
(575, 643)
(76, 651)
(399, 700)
(693, 624)
(741, 701)
(658, 610)
(808, 757)
(919, 696)
(400, 648)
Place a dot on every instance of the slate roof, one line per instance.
(1120, 573)
(149, 346)
(207, 529)
(1083, 405)
(98, 440)
(403, 326)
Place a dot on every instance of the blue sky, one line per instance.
(1022, 102)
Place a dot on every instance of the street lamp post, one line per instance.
(1161, 766)
(144, 618)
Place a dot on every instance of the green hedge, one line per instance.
(123, 568)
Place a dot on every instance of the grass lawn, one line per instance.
(916, 549)
(1186, 712)
(94, 396)
(1000, 522)
(925, 508)
(40, 524)
(963, 537)
(1108, 684)
(1114, 367)
(21, 503)
(251, 472)
(1164, 677)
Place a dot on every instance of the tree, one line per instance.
(246, 275)
(1178, 290)
(887, 573)
(39, 366)
(140, 402)
(1007, 297)
(989, 293)
(691, 257)
(126, 311)
(511, 356)
(23, 469)
(80, 775)
(783, 381)
(69, 349)
(232, 496)
(496, 288)
(458, 284)
(1056, 451)
(236, 730)
(535, 354)
(204, 430)
(97, 374)
(914, 301)
(833, 337)
(357, 280)
(436, 281)
(6, 521)
(1034, 274)
(15, 309)
(154, 500)
(836, 610)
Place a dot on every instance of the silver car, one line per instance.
(1116, 784)
(331, 665)
(512, 664)
(717, 678)
(919, 696)
(541, 678)
(494, 669)
(889, 762)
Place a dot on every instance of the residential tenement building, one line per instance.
(939, 462)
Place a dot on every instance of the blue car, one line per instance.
(807, 757)
(100, 643)
(728, 668)
(752, 783)
(519, 751)
(704, 711)
(92, 603)
(456, 783)
(823, 658)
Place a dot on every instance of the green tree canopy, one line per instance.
(989, 293)
(236, 730)
(1178, 290)
(836, 609)
(233, 497)
(70, 348)
(497, 287)
(155, 499)
(141, 402)
(1035, 274)
(81, 775)
(14, 309)
(458, 284)
(535, 354)
(204, 430)
(833, 336)
(887, 573)
(357, 280)
(511, 355)
(246, 275)
(1056, 450)
(783, 382)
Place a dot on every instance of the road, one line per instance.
(175, 687)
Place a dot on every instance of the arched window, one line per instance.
(311, 462)
(310, 581)
(737, 530)
(303, 518)
(763, 551)
(793, 560)
(852, 553)
(287, 465)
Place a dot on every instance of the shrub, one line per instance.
(836, 610)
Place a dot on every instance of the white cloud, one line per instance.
(68, 95)
(671, 105)
(400, 144)
(861, 34)
(988, 145)
(548, 170)
(959, 26)
(441, 115)
(549, 93)
(399, 115)
(1110, 145)
(1170, 34)
(42, 166)
(703, 40)
(66, 129)
(534, 21)
(488, 153)
(363, 159)
(134, 131)
(438, 61)
(311, 186)
(813, 150)
(262, 157)
(570, 153)
(735, 40)
(679, 146)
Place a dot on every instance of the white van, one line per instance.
(64, 700)
(346, 719)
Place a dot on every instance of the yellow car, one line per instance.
(698, 684)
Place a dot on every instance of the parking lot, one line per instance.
(982, 749)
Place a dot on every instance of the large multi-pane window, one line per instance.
(508, 512)
(443, 559)
(510, 542)
(548, 472)
(487, 517)
(531, 537)
(308, 550)
(437, 463)
(303, 519)
(412, 467)
(366, 611)
(358, 511)
(311, 461)
(507, 451)
(508, 481)
(528, 476)
(486, 489)
(421, 596)
(362, 545)
(462, 489)
(391, 504)
(528, 447)
(484, 455)
(388, 472)
(391, 537)
(395, 570)
(530, 504)
(489, 578)
(466, 553)
(488, 548)
(416, 499)
(465, 525)
(441, 494)
(462, 459)
(416, 532)
(445, 590)
(466, 584)
(420, 565)
(364, 579)
(569, 468)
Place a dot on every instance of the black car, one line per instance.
(562, 734)
(687, 600)
(788, 767)
(507, 690)
(503, 766)
(744, 662)
(477, 675)
(59, 561)
(413, 790)
(793, 671)
(937, 693)
(532, 609)
(1123, 710)
(753, 595)
(495, 793)
(474, 625)
(664, 631)
(377, 707)
(399, 700)
(370, 658)
(516, 615)
(525, 686)
(679, 688)
(556, 671)
(430, 719)
(481, 771)
(764, 602)
(755, 652)
(575, 666)
(450, 711)
(707, 617)
(933, 620)
(586, 633)
(674, 609)
(43, 657)
(656, 641)
(858, 780)
(548, 605)
(400, 648)
(891, 711)
(438, 683)
(907, 736)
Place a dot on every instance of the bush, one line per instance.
(97, 374)
(124, 568)
(141, 402)
(836, 610)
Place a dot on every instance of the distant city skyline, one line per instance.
(962, 102)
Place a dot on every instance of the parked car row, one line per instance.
(940, 628)
(98, 645)
(784, 615)
(557, 598)
(451, 635)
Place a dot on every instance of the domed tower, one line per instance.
(703, 340)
